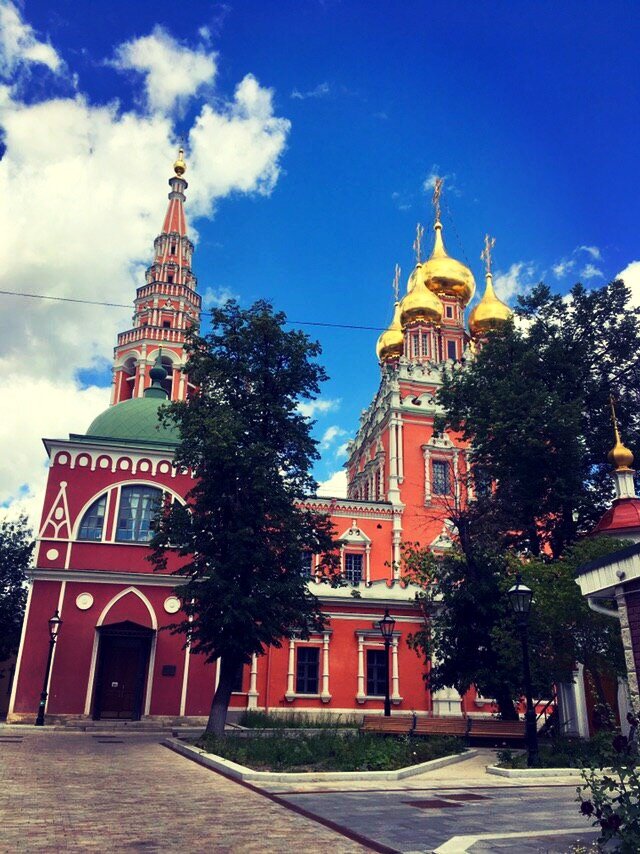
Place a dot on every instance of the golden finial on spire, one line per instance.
(437, 192)
(619, 456)
(485, 255)
(417, 243)
(396, 282)
(180, 167)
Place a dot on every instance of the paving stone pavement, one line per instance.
(77, 792)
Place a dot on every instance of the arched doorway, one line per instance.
(123, 662)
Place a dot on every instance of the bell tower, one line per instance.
(165, 307)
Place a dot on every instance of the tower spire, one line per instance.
(621, 459)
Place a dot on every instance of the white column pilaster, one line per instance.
(325, 696)
(360, 696)
(291, 671)
(252, 696)
(395, 674)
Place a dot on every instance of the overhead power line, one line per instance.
(80, 301)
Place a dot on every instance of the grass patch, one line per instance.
(328, 751)
(294, 720)
(561, 753)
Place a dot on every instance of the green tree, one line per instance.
(16, 548)
(534, 406)
(246, 527)
(471, 635)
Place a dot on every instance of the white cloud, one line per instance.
(320, 91)
(516, 280)
(335, 486)
(19, 44)
(590, 271)
(429, 182)
(631, 277)
(218, 296)
(402, 202)
(591, 250)
(173, 72)
(330, 435)
(311, 408)
(342, 450)
(563, 267)
(91, 184)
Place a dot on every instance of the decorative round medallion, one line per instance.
(164, 467)
(52, 554)
(83, 461)
(63, 459)
(144, 466)
(124, 464)
(84, 601)
(104, 462)
(58, 512)
(172, 604)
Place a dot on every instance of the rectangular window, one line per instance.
(376, 672)
(425, 344)
(415, 342)
(353, 568)
(451, 350)
(170, 278)
(307, 668)
(306, 567)
(237, 679)
(166, 324)
(138, 506)
(449, 311)
(441, 481)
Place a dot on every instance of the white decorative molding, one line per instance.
(171, 604)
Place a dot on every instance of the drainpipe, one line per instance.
(600, 609)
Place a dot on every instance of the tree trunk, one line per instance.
(505, 704)
(220, 704)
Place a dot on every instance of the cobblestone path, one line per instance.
(64, 792)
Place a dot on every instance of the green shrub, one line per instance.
(329, 751)
(293, 720)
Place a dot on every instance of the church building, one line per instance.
(112, 660)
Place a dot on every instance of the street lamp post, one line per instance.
(386, 626)
(54, 627)
(520, 597)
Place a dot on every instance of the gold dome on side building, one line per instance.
(489, 313)
(391, 342)
(620, 457)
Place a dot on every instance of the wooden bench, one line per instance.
(492, 729)
(394, 725)
(443, 726)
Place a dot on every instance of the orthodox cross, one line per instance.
(417, 243)
(396, 282)
(614, 419)
(437, 192)
(485, 255)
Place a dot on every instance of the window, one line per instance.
(306, 565)
(138, 506)
(353, 568)
(173, 249)
(482, 482)
(170, 278)
(414, 346)
(441, 484)
(166, 324)
(451, 350)
(376, 672)
(449, 311)
(93, 520)
(307, 670)
(237, 679)
(425, 344)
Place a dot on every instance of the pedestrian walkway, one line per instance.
(78, 792)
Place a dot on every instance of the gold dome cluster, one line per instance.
(180, 167)
(444, 275)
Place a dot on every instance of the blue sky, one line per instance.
(529, 110)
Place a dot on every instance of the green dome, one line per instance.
(134, 420)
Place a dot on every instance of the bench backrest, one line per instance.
(493, 726)
(441, 726)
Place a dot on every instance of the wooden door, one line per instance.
(121, 675)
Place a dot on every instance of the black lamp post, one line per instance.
(54, 627)
(386, 626)
(520, 597)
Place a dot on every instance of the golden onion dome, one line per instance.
(180, 167)
(421, 304)
(489, 313)
(444, 275)
(413, 278)
(391, 342)
(619, 456)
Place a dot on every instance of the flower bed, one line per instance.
(328, 751)
(558, 753)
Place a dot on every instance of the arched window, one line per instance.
(93, 520)
(138, 507)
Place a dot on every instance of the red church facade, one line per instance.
(114, 658)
